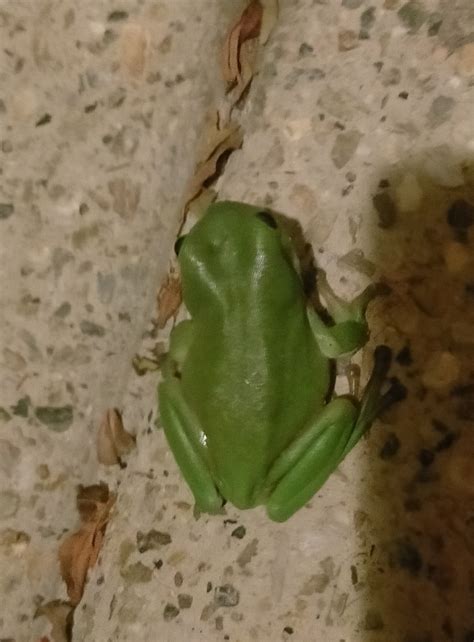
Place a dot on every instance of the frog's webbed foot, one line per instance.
(396, 392)
(374, 401)
(304, 466)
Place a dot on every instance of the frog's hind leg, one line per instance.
(301, 470)
(185, 439)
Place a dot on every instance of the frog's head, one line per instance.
(234, 246)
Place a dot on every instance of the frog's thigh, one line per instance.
(183, 432)
(304, 467)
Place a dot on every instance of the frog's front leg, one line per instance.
(304, 467)
(350, 331)
(180, 340)
(187, 442)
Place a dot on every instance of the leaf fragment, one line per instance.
(113, 441)
(220, 145)
(79, 550)
(243, 42)
(169, 299)
(246, 28)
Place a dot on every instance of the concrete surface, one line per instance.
(360, 125)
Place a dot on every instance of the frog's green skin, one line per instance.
(244, 394)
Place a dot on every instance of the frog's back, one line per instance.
(254, 374)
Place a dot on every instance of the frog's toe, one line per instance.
(382, 361)
(396, 392)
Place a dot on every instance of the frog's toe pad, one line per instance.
(396, 392)
(382, 360)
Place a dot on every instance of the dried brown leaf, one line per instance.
(225, 141)
(79, 551)
(169, 299)
(59, 613)
(201, 203)
(113, 440)
(90, 501)
(247, 27)
(230, 56)
(241, 47)
(250, 21)
(247, 60)
(75, 556)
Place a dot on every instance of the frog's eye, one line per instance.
(178, 244)
(267, 218)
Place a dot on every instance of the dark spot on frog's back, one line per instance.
(267, 218)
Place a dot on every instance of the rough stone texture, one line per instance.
(101, 106)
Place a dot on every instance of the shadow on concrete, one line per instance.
(416, 523)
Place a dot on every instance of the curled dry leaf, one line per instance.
(169, 299)
(246, 28)
(223, 137)
(79, 551)
(221, 144)
(60, 615)
(239, 54)
(201, 203)
(113, 440)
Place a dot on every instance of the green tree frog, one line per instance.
(246, 396)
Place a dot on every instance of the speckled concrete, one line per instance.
(360, 125)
